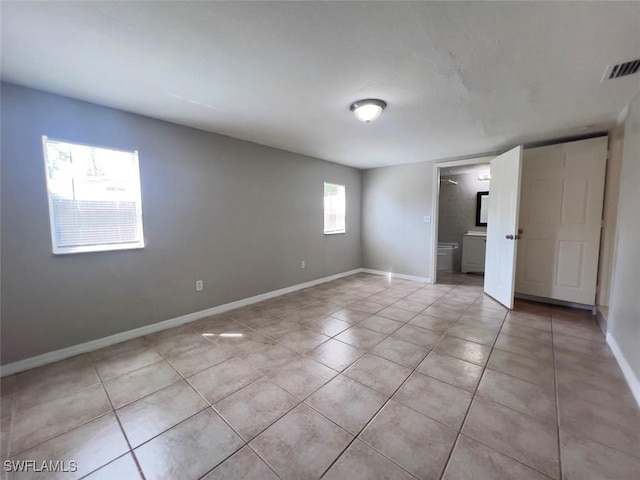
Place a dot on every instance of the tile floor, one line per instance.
(360, 378)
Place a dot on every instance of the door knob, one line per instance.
(509, 237)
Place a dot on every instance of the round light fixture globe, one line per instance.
(368, 110)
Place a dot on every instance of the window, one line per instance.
(94, 198)
(335, 207)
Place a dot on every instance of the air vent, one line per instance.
(623, 69)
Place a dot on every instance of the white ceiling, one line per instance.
(459, 78)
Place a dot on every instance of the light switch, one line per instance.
(426, 219)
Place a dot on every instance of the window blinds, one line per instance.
(94, 198)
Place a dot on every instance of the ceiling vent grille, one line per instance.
(623, 69)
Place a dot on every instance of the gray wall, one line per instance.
(457, 208)
(237, 215)
(394, 202)
(624, 308)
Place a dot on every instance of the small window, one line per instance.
(335, 208)
(94, 198)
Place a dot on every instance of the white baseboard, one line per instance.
(627, 371)
(401, 276)
(57, 355)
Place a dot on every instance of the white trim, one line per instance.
(50, 357)
(627, 371)
(401, 276)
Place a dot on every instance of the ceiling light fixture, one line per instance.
(368, 110)
(484, 176)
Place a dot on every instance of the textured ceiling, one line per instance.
(459, 78)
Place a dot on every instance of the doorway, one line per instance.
(460, 188)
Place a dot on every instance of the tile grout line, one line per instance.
(475, 394)
(356, 437)
(126, 438)
(557, 397)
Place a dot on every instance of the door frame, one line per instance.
(436, 202)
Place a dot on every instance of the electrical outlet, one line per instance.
(426, 219)
(199, 286)
(303, 264)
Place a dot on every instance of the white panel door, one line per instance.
(560, 215)
(502, 226)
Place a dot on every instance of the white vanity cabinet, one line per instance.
(473, 253)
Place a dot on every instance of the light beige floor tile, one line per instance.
(418, 336)
(360, 462)
(411, 305)
(6, 407)
(525, 348)
(518, 394)
(302, 444)
(53, 382)
(537, 322)
(276, 328)
(417, 443)
(443, 313)
(155, 413)
(367, 306)
(583, 459)
(350, 316)
(223, 379)
(573, 361)
(473, 334)
(464, 350)
(451, 304)
(5, 429)
(378, 373)
(46, 421)
(532, 370)
(302, 340)
(435, 399)
(451, 370)
(401, 352)
(473, 460)
(615, 427)
(302, 377)
(361, 337)
(177, 340)
(398, 314)
(119, 348)
(347, 402)
(125, 362)
(255, 407)
(518, 330)
(200, 358)
(91, 445)
(217, 324)
(602, 390)
(244, 464)
(380, 324)
(586, 325)
(335, 354)
(327, 326)
(579, 345)
(435, 324)
(270, 358)
(190, 449)
(123, 468)
(248, 342)
(139, 383)
(520, 436)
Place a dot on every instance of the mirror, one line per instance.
(482, 208)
